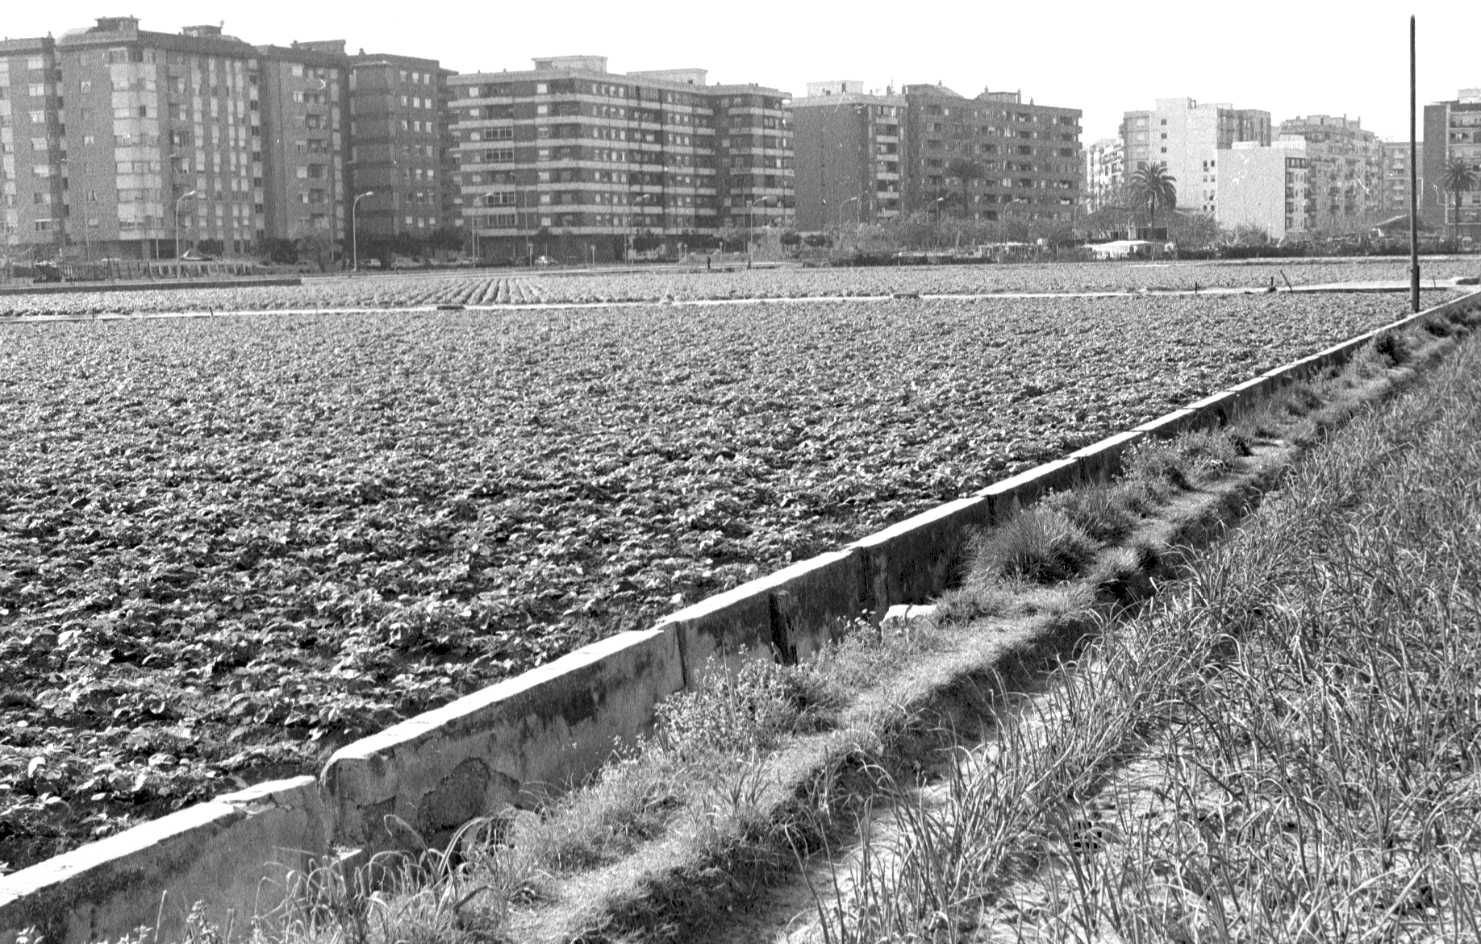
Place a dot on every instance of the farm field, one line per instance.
(511, 287)
(228, 545)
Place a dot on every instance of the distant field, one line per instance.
(507, 286)
(229, 544)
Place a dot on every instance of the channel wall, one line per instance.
(548, 727)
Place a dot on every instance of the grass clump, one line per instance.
(1038, 544)
(1095, 509)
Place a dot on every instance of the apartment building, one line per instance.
(573, 160)
(1024, 159)
(1395, 182)
(1452, 132)
(304, 89)
(1105, 174)
(122, 141)
(1266, 187)
(33, 206)
(850, 154)
(1184, 135)
(1344, 171)
(402, 149)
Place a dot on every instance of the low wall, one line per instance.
(154, 285)
(216, 852)
(555, 724)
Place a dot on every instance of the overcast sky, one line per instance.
(1289, 58)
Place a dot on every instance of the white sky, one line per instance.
(1289, 58)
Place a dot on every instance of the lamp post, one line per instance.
(355, 233)
(183, 196)
(751, 224)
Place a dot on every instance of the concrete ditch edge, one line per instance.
(553, 725)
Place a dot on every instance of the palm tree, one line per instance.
(1152, 186)
(1459, 177)
(966, 170)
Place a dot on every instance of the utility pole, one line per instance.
(1413, 182)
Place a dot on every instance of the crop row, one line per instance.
(402, 290)
(228, 545)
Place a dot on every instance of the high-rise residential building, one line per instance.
(304, 89)
(993, 158)
(1344, 171)
(124, 142)
(849, 146)
(402, 150)
(1105, 174)
(33, 207)
(1183, 135)
(570, 159)
(1395, 179)
(1452, 132)
(118, 141)
(1266, 187)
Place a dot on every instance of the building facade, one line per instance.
(1395, 177)
(850, 152)
(1184, 135)
(1344, 172)
(126, 142)
(1105, 174)
(304, 150)
(1266, 187)
(402, 150)
(1452, 132)
(568, 159)
(121, 142)
(1021, 161)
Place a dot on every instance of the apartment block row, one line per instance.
(570, 158)
(1317, 174)
(993, 158)
(125, 142)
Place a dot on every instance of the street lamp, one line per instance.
(188, 193)
(751, 224)
(354, 232)
(845, 205)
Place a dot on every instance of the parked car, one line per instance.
(195, 255)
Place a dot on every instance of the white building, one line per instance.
(1185, 135)
(1265, 187)
(1105, 172)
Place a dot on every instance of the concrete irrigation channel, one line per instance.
(556, 723)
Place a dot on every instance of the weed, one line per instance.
(1158, 464)
(1094, 509)
(1038, 544)
(1205, 454)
